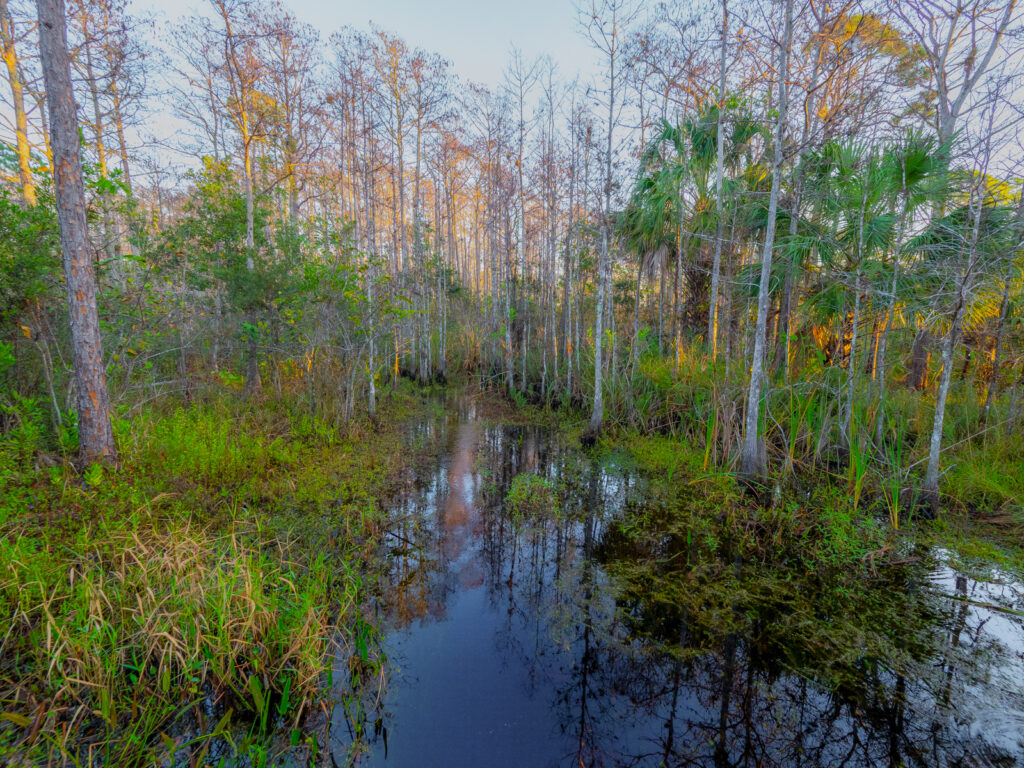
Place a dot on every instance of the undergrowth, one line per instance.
(199, 592)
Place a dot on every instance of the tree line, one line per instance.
(775, 228)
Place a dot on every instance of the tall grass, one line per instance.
(194, 591)
(149, 614)
(702, 404)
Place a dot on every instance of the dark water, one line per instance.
(523, 639)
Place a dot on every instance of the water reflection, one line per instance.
(560, 638)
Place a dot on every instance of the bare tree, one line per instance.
(959, 39)
(716, 266)
(28, 189)
(520, 77)
(243, 71)
(967, 269)
(605, 23)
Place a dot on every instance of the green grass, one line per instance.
(143, 617)
(221, 562)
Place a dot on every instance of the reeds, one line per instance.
(813, 444)
(153, 615)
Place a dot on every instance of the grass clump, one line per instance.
(530, 496)
(208, 446)
(709, 508)
(148, 617)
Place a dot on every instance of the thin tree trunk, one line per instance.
(47, 360)
(121, 143)
(931, 478)
(993, 383)
(677, 324)
(634, 351)
(371, 364)
(101, 151)
(597, 413)
(851, 371)
(752, 457)
(883, 334)
(28, 189)
(253, 384)
(716, 265)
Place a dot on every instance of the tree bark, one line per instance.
(95, 435)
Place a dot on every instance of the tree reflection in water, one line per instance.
(566, 637)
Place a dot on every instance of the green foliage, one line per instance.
(986, 476)
(6, 356)
(209, 447)
(26, 432)
(530, 496)
(29, 248)
(209, 243)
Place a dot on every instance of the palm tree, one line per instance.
(852, 194)
(917, 169)
(673, 208)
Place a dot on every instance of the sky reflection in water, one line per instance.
(514, 643)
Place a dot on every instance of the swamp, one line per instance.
(649, 395)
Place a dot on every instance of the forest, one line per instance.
(667, 413)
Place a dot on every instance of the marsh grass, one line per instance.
(198, 592)
(821, 460)
(148, 614)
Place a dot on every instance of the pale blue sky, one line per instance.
(474, 35)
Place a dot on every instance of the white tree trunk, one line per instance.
(752, 456)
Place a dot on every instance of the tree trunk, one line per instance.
(851, 370)
(371, 365)
(597, 413)
(95, 435)
(101, 150)
(931, 477)
(253, 384)
(851, 367)
(993, 383)
(28, 189)
(716, 265)
(917, 373)
(752, 457)
(890, 313)
(634, 351)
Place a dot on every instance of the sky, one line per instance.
(474, 35)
